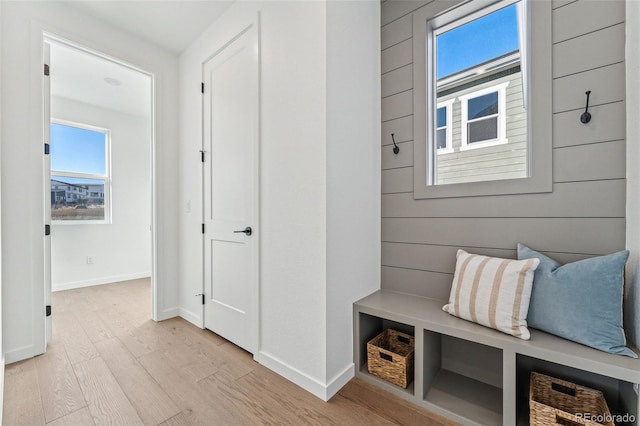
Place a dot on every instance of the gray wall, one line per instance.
(583, 216)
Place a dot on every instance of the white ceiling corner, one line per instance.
(79, 76)
(170, 24)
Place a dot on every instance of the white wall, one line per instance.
(303, 204)
(22, 205)
(1, 351)
(292, 174)
(120, 250)
(632, 64)
(353, 173)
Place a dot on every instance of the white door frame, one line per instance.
(255, 279)
(43, 35)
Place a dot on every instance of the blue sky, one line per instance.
(77, 150)
(478, 41)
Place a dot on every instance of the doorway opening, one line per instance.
(99, 173)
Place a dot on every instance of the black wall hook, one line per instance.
(586, 115)
(396, 149)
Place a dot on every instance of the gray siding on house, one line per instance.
(507, 161)
(583, 216)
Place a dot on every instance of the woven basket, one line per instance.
(553, 401)
(390, 356)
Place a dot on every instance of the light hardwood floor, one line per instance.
(108, 363)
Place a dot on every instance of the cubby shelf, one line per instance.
(478, 376)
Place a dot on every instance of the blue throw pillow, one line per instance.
(580, 301)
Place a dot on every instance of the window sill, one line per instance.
(445, 151)
(478, 145)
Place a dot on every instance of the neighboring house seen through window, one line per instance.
(474, 58)
(80, 178)
(444, 127)
(484, 117)
(478, 128)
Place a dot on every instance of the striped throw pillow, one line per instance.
(493, 292)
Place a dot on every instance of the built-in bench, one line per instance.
(477, 375)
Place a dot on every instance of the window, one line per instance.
(482, 58)
(444, 126)
(80, 178)
(484, 118)
(475, 58)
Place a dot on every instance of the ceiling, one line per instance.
(170, 24)
(80, 76)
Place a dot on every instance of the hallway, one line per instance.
(108, 363)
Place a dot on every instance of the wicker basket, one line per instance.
(390, 356)
(553, 401)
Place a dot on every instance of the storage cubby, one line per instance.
(619, 394)
(370, 326)
(463, 377)
(474, 375)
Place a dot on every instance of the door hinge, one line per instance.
(47, 229)
(47, 310)
(202, 156)
(47, 149)
(201, 87)
(46, 69)
(203, 228)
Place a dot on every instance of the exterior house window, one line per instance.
(80, 174)
(444, 127)
(460, 49)
(484, 118)
(475, 67)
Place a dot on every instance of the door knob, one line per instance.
(247, 231)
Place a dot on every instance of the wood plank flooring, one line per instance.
(109, 364)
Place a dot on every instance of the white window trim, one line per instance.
(449, 134)
(106, 177)
(502, 117)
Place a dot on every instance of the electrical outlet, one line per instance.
(89, 260)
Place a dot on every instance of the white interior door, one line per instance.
(46, 117)
(231, 133)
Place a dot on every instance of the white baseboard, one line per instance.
(168, 313)
(340, 380)
(20, 354)
(99, 281)
(311, 385)
(1, 386)
(191, 317)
